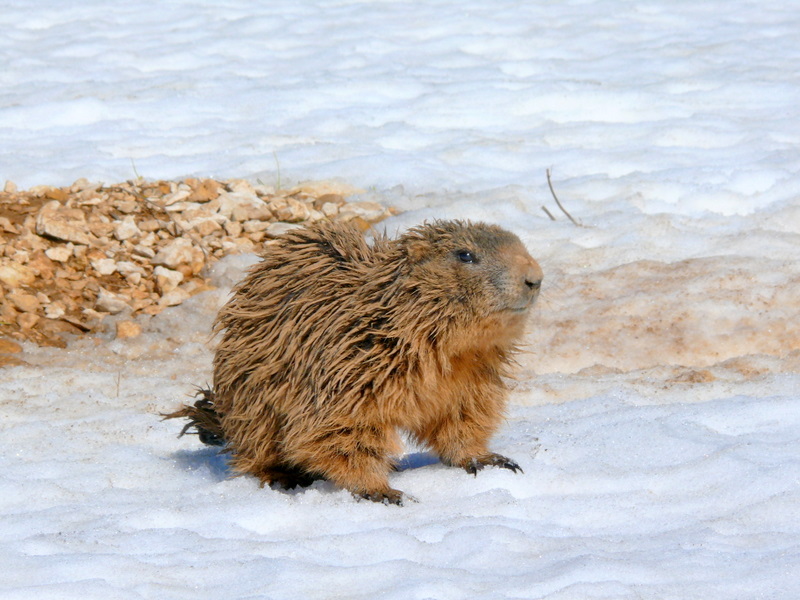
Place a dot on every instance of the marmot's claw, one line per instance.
(390, 496)
(506, 463)
(475, 464)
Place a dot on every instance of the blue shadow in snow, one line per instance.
(415, 460)
(208, 458)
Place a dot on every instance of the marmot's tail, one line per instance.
(203, 418)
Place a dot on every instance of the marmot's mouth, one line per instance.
(518, 309)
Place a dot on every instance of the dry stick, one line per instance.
(552, 191)
(548, 213)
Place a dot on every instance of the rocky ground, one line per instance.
(71, 257)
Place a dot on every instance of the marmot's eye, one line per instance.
(466, 256)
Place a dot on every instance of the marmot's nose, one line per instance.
(533, 276)
(534, 284)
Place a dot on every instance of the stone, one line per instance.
(233, 228)
(126, 267)
(10, 187)
(203, 191)
(7, 226)
(27, 321)
(176, 252)
(167, 279)
(55, 310)
(204, 226)
(14, 275)
(9, 347)
(127, 206)
(110, 302)
(336, 199)
(62, 223)
(180, 194)
(128, 329)
(329, 209)
(174, 297)
(150, 225)
(126, 229)
(59, 253)
(24, 302)
(279, 229)
(180, 251)
(254, 226)
(322, 188)
(243, 207)
(369, 211)
(104, 266)
(144, 251)
(293, 212)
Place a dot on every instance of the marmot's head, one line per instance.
(480, 269)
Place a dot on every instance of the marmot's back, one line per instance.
(330, 344)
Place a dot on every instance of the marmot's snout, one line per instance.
(532, 280)
(526, 276)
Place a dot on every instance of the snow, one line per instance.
(655, 412)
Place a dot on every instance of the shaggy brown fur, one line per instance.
(330, 345)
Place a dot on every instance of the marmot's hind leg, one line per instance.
(203, 418)
(286, 477)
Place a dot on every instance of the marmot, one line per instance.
(330, 345)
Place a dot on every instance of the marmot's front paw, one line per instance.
(475, 464)
(387, 497)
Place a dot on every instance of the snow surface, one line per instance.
(656, 411)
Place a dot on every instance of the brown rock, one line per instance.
(7, 360)
(167, 279)
(14, 275)
(27, 321)
(110, 302)
(55, 310)
(150, 225)
(7, 225)
(203, 191)
(104, 266)
(24, 302)
(329, 209)
(9, 347)
(369, 211)
(334, 199)
(174, 297)
(128, 329)
(59, 253)
(180, 251)
(276, 230)
(205, 226)
(243, 207)
(293, 212)
(62, 223)
(56, 194)
(126, 229)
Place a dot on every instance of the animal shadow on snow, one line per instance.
(217, 467)
(205, 459)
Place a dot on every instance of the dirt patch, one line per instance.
(72, 256)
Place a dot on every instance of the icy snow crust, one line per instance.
(655, 412)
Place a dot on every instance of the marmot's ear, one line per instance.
(417, 250)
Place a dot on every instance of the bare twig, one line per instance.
(548, 213)
(553, 192)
